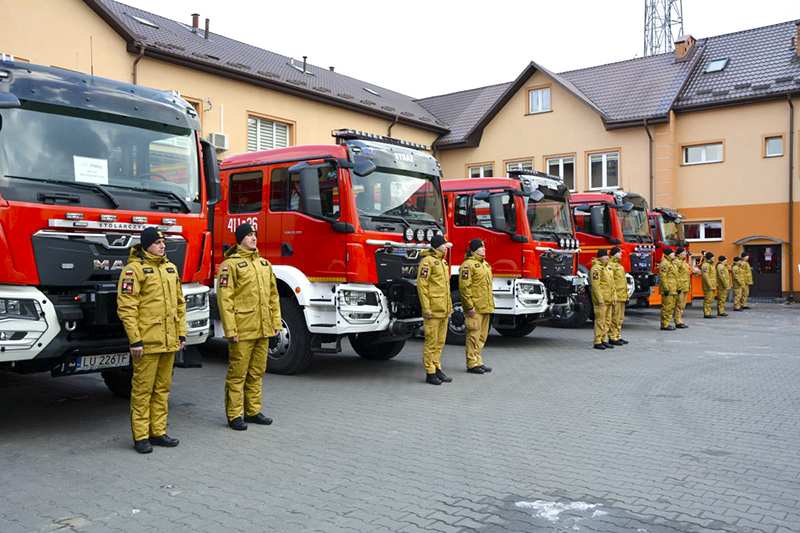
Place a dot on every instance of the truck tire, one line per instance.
(457, 324)
(519, 331)
(118, 381)
(290, 351)
(376, 351)
(575, 319)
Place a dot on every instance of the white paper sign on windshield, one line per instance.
(90, 170)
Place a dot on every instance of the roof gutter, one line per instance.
(791, 198)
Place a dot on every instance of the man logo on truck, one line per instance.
(105, 264)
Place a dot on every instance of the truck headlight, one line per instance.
(358, 298)
(196, 301)
(20, 309)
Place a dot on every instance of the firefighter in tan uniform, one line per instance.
(709, 273)
(433, 287)
(475, 286)
(739, 278)
(667, 287)
(723, 285)
(684, 286)
(150, 305)
(621, 291)
(603, 297)
(249, 305)
(749, 277)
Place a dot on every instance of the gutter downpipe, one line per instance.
(652, 178)
(136, 62)
(389, 133)
(791, 198)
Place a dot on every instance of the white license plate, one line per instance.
(94, 362)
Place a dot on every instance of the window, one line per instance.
(265, 134)
(481, 171)
(773, 146)
(472, 212)
(583, 219)
(539, 100)
(519, 165)
(703, 231)
(284, 191)
(717, 65)
(702, 153)
(604, 170)
(245, 192)
(564, 167)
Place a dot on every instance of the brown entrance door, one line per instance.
(766, 263)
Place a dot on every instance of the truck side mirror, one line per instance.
(536, 196)
(596, 220)
(309, 192)
(583, 208)
(9, 101)
(211, 171)
(627, 206)
(496, 213)
(364, 168)
(482, 196)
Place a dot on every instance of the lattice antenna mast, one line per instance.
(663, 22)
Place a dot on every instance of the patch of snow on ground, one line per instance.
(551, 510)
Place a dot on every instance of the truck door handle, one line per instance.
(286, 250)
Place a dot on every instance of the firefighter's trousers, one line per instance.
(667, 308)
(435, 335)
(708, 299)
(477, 331)
(152, 376)
(722, 295)
(738, 297)
(247, 362)
(745, 295)
(680, 306)
(617, 318)
(602, 321)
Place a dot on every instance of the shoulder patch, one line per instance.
(224, 269)
(596, 274)
(465, 273)
(129, 272)
(264, 262)
(223, 280)
(147, 270)
(127, 286)
(436, 262)
(424, 263)
(170, 270)
(424, 272)
(705, 269)
(242, 264)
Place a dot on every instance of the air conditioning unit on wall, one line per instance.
(219, 141)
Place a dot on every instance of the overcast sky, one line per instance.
(425, 48)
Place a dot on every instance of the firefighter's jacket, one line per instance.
(620, 280)
(602, 283)
(684, 275)
(723, 277)
(433, 284)
(247, 296)
(475, 284)
(709, 275)
(748, 271)
(667, 276)
(150, 302)
(739, 275)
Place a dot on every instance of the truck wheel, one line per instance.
(520, 331)
(573, 318)
(376, 351)
(457, 325)
(290, 350)
(118, 381)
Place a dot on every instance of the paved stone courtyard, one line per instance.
(694, 430)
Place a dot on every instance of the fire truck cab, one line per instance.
(615, 218)
(343, 226)
(667, 230)
(86, 164)
(526, 224)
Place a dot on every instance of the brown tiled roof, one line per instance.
(173, 41)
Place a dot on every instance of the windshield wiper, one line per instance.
(170, 194)
(388, 218)
(91, 186)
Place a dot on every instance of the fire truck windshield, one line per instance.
(549, 219)
(388, 195)
(635, 225)
(83, 149)
(671, 232)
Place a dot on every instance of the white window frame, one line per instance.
(779, 138)
(561, 161)
(527, 164)
(704, 159)
(481, 170)
(537, 94)
(702, 224)
(605, 184)
(263, 144)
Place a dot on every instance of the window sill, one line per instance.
(615, 187)
(538, 113)
(772, 156)
(701, 163)
(704, 240)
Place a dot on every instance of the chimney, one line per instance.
(683, 47)
(331, 68)
(207, 29)
(305, 63)
(195, 21)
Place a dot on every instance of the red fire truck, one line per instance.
(615, 218)
(85, 164)
(667, 230)
(526, 224)
(343, 226)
